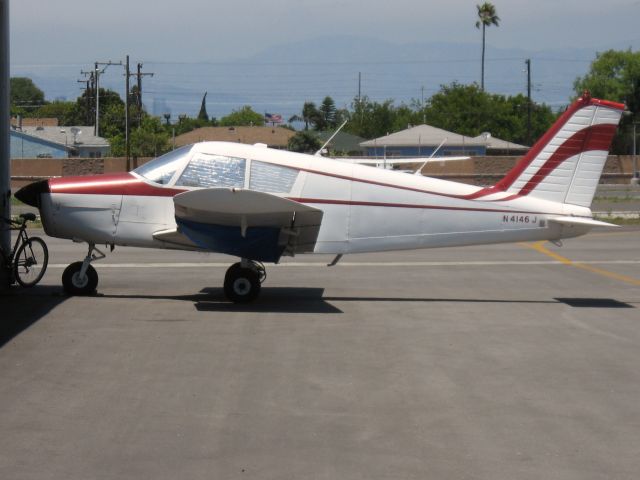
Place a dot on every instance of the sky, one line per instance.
(82, 31)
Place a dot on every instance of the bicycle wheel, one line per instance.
(30, 262)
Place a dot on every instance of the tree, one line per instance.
(149, 140)
(112, 120)
(486, 17)
(186, 124)
(615, 75)
(246, 116)
(328, 113)
(295, 118)
(58, 109)
(467, 110)
(304, 142)
(310, 114)
(83, 111)
(372, 119)
(202, 115)
(24, 94)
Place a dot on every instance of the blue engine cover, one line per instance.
(259, 243)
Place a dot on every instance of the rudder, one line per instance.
(565, 165)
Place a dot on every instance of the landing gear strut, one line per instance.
(243, 280)
(80, 278)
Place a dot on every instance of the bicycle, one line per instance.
(29, 257)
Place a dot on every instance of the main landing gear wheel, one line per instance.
(242, 283)
(76, 284)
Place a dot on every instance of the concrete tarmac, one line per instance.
(496, 362)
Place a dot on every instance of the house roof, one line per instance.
(65, 136)
(342, 142)
(423, 135)
(272, 136)
(494, 143)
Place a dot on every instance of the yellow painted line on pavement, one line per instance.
(539, 247)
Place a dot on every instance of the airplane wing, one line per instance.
(398, 161)
(246, 223)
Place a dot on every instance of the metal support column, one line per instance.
(5, 150)
(634, 177)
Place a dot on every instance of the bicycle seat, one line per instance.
(28, 217)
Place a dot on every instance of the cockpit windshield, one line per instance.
(161, 169)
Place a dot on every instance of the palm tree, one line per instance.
(309, 114)
(487, 17)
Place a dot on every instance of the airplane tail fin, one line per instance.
(565, 165)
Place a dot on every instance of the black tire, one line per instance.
(241, 285)
(30, 262)
(74, 285)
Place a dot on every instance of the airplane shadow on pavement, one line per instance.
(312, 300)
(21, 308)
(271, 300)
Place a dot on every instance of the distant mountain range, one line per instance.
(281, 78)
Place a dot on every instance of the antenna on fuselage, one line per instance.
(317, 154)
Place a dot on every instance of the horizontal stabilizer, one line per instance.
(580, 221)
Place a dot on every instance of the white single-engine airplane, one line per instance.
(259, 204)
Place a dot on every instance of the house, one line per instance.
(56, 142)
(423, 141)
(275, 137)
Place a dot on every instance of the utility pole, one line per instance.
(634, 178)
(127, 144)
(91, 95)
(140, 74)
(424, 113)
(88, 94)
(360, 95)
(528, 63)
(98, 73)
(5, 148)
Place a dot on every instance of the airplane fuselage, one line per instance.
(365, 209)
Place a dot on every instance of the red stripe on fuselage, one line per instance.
(321, 201)
(110, 184)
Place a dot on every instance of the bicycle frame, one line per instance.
(22, 237)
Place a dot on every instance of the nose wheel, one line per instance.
(75, 282)
(80, 278)
(243, 280)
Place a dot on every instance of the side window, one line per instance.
(213, 171)
(266, 177)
